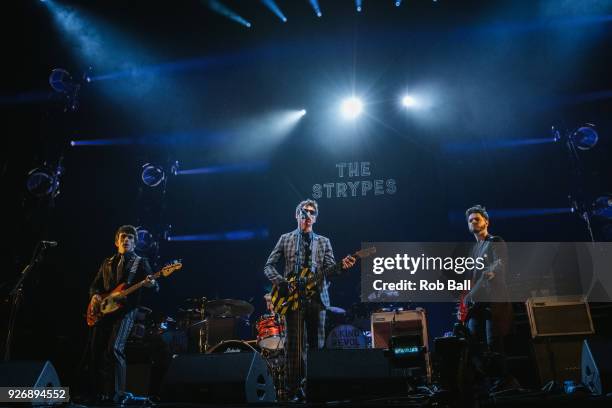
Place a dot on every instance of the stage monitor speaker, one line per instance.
(559, 316)
(28, 374)
(597, 366)
(219, 377)
(352, 374)
(558, 358)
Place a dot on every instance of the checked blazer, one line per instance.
(322, 258)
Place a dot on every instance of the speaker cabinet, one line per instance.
(224, 377)
(558, 358)
(334, 375)
(29, 374)
(559, 316)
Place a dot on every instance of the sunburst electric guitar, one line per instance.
(111, 301)
(287, 297)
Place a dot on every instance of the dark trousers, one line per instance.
(485, 345)
(304, 327)
(108, 355)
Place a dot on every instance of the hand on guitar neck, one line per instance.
(348, 262)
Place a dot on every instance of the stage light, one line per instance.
(398, 3)
(145, 244)
(316, 8)
(602, 207)
(351, 108)
(585, 137)
(225, 11)
(152, 175)
(61, 81)
(271, 4)
(44, 181)
(302, 112)
(358, 5)
(409, 101)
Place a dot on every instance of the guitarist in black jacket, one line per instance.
(108, 365)
(489, 317)
(299, 249)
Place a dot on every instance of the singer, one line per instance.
(303, 248)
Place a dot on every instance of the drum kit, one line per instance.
(224, 326)
(219, 325)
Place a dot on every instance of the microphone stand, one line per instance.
(16, 295)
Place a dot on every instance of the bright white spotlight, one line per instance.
(408, 101)
(351, 108)
(302, 112)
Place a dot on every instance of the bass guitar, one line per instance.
(112, 301)
(287, 297)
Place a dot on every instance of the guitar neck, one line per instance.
(334, 268)
(139, 285)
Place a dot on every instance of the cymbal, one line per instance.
(228, 308)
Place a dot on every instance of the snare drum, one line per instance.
(270, 333)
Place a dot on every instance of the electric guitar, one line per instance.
(287, 297)
(111, 301)
(463, 310)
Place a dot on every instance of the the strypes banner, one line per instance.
(486, 272)
(354, 179)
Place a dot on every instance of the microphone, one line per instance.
(49, 244)
(304, 214)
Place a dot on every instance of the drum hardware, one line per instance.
(208, 322)
(229, 308)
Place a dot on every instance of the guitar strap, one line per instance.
(313, 252)
(133, 269)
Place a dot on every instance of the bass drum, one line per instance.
(346, 336)
(234, 346)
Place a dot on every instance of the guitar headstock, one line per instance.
(365, 252)
(171, 268)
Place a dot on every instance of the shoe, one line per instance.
(297, 399)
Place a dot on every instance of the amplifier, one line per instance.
(559, 316)
(401, 323)
(398, 323)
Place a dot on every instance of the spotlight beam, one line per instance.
(225, 11)
(227, 168)
(316, 8)
(358, 5)
(271, 4)
(240, 235)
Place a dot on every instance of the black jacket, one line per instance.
(106, 278)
